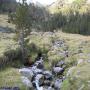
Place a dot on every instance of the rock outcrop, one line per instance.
(38, 78)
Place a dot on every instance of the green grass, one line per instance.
(65, 85)
(7, 43)
(6, 39)
(10, 77)
(4, 21)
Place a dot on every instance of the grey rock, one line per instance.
(50, 88)
(58, 83)
(38, 71)
(39, 77)
(58, 70)
(39, 80)
(48, 75)
(47, 82)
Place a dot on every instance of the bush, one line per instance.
(13, 54)
(10, 56)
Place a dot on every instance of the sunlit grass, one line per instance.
(10, 77)
(4, 21)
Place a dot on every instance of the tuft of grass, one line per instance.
(65, 85)
(10, 77)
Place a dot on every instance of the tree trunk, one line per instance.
(22, 46)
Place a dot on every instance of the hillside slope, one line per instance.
(60, 4)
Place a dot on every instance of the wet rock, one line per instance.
(48, 75)
(38, 71)
(38, 82)
(33, 67)
(50, 88)
(40, 79)
(47, 82)
(40, 66)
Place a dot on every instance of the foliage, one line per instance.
(23, 24)
(7, 5)
(65, 85)
(10, 56)
(10, 77)
(73, 18)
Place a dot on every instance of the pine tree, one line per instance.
(23, 23)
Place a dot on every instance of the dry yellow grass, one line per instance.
(4, 21)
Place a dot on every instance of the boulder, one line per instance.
(40, 66)
(47, 82)
(39, 80)
(39, 77)
(58, 70)
(48, 75)
(50, 88)
(37, 71)
(33, 67)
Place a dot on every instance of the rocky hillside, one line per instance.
(59, 4)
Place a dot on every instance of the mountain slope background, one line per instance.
(59, 4)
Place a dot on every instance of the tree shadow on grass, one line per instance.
(6, 30)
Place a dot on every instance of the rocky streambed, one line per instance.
(36, 77)
(71, 59)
